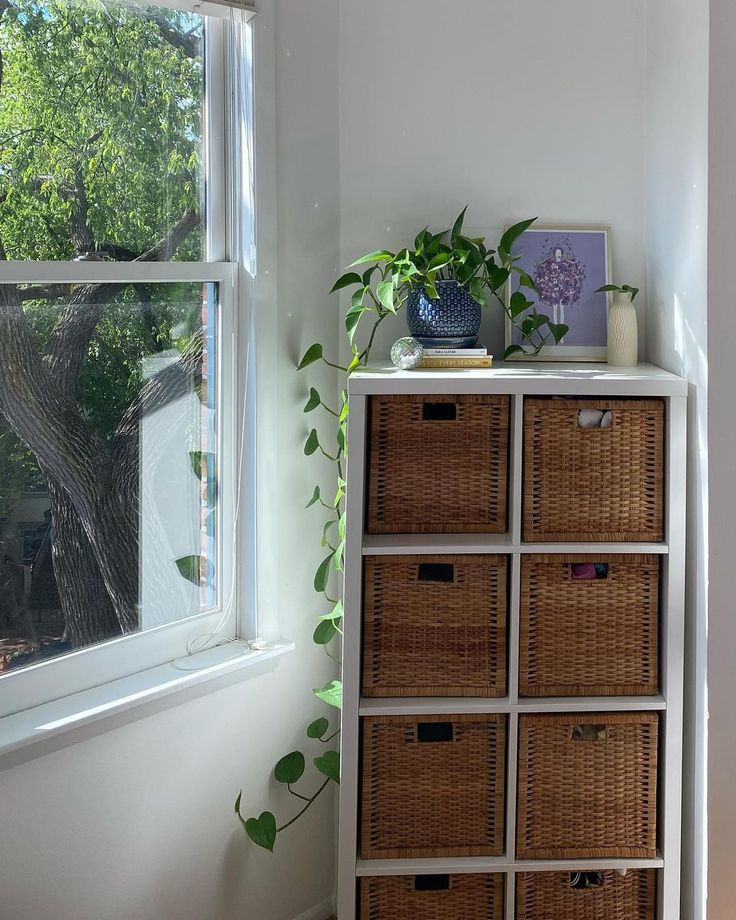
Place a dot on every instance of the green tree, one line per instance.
(100, 136)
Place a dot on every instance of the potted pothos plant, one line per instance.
(380, 284)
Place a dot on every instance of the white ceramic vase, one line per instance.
(623, 332)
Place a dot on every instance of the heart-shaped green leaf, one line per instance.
(318, 728)
(322, 575)
(385, 294)
(558, 330)
(196, 569)
(290, 768)
(518, 304)
(345, 281)
(458, 226)
(330, 694)
(312, 443)
(314, 400)
(335, 614)
(513, 350)
(513, 233)
(324, 633)
(314, 499)
(262, 830)
(380, 255)
(329, 765)
(312, 354)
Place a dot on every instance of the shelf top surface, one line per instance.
(537, 378)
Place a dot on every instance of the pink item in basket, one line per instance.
(584, 571)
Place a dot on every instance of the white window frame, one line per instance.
(112, 660)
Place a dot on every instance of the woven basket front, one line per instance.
(438, 464)
(433, 786)
(589, 638)
(434, 626)
(553, 896)
(449, 897)
(581, 796)
(598, 484)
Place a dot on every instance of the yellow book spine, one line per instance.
(480, 361)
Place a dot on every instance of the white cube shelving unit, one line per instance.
(517, 381)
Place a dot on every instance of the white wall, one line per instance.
(138, 822)
(516, 107)
(678, 339)
(722, 530)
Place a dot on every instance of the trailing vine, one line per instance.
(381, 282)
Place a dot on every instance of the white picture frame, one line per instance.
(586, 251)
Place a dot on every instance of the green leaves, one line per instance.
(518, 304)
(458, 225)
(318, 729)
(335, 614)
(197, 569)
(385, 294)
(322, 575)
(314, 499)
(346, 280)
(380, 255)
(329, 765)
(290, 768)
(312, 354)
(619, 289)
(331, 694)
(512, 350)
(559, 331)
(262, 830)
(324, 633)
(512, 235)
(313, 401)
(312, 443)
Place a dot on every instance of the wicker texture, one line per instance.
(440, 798)
(587, 798)
(593, 483)
(424, 636)
(589, 638)
(550, 896)
(466, 897)
(435, 471)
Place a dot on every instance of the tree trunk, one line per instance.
(88, 614)
(94, 486)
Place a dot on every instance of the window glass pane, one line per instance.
(108, 462)
(100, 130)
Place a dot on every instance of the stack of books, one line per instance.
(457, 357)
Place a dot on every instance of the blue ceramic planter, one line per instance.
(452, 319)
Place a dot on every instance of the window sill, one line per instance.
(35, 732)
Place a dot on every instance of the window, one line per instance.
(118, 310)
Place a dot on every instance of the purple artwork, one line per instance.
(567, 266)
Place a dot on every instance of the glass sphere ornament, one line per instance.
(406, 353)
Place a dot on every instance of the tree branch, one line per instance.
(188, 42)
(69, 341)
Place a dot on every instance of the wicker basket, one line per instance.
(587, 786)
(433, 786)
(432, 897)
(589, 638)
(593, 483)
(435, 626)
(438, 464)
(555, 895)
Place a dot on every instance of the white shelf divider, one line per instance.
(458, 543)
(426, 705)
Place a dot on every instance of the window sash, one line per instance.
(120, 657)
(48, 680)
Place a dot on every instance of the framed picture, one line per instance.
(567, 264)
